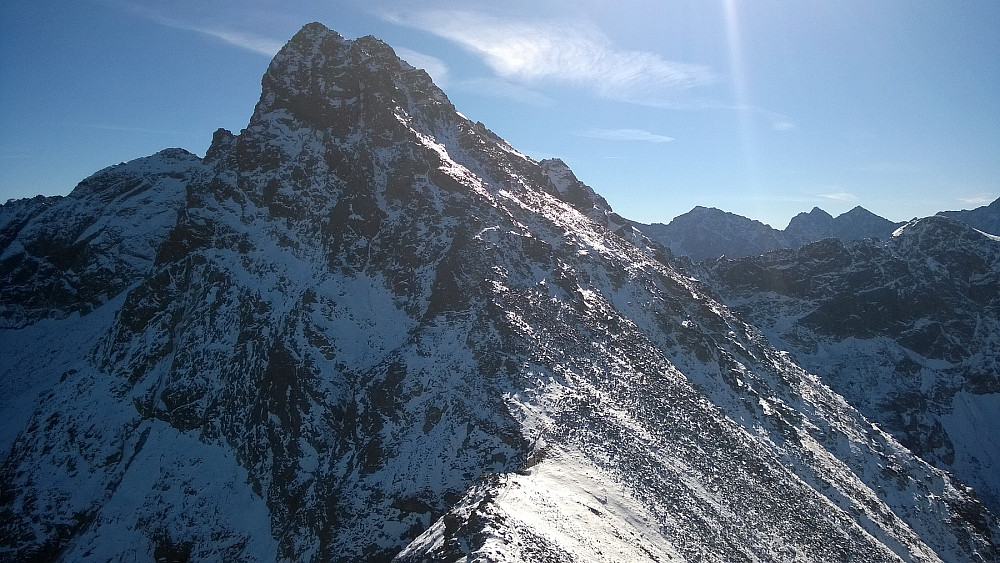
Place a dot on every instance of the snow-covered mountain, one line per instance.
(366, 327)
(985, 218)
(907, 330)
(64, 255)
(706, 232)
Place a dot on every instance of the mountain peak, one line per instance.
(570, 189)
(222, 141)
(814, 225)
(857, 210)
(703, 210)
(344, 86)
(313, 37)
(709, 232)
(814, 216)
(314, 28)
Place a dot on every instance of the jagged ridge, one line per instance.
(706, 232)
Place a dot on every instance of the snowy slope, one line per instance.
(371, 328)
(906, 330)
(70, 254)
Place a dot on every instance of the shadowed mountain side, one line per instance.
(706, 232)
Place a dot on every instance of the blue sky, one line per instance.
(763, 108)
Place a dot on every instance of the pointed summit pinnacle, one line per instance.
(327, 81)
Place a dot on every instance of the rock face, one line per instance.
(906, 330)
(706, 232)
(366, 327)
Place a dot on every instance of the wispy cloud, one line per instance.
(248, 41)
(979, 199)
(783, 125)
(625, 135)
(433, 65)
(244, 40)
(840, 196)
(577, 54)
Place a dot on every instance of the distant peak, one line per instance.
(311, 38)
(859, 209)
(701, 209)
(813, 217)
(554, 163)
(315, 27)
(177, 154)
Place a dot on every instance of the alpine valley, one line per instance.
(367, 329)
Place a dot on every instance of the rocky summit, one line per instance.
(366, 328)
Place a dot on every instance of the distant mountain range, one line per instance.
(907, 330)
(901, 318)
(706, 232)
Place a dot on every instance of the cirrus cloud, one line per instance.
(840, 196)
(576, 54)
(249, 41)
(979, 199)
(241, 39)
(625, 135)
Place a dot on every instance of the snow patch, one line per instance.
(581, 509)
